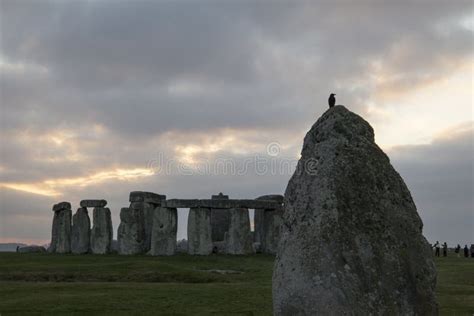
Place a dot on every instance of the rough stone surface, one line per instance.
(32, 249)
(148, 211)
(199, 231)
(163, 235)
(61, 206)
(220, 219)
(266, 226)
(258, 216)
(93, 203)
(272, 222)
(218, 204)
(61, 232)
(101, 234)
(239, 239)
(131, 231)
(352, 240)
(81, 231)
(148, 197)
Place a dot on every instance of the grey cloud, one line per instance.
(441, 179)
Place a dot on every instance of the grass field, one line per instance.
(178, 285)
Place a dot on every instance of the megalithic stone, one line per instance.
(148, 201)
(239, 239)
(61, 229)
(268, 223)
(93, 203)
(220, 219)
(352, 241)
(102, 231)
(272, 221)
(131, 231)
(163, 236)
(199, 231)
(81, 230)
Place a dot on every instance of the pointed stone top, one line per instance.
(341, 124)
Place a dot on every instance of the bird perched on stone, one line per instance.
(332, 100)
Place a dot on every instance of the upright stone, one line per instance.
(267, 223)
(102, 231)
(81, 229)
(163, 236)
(148, 201)
(131, 231)
(199, 231)
(272, 222)
(220, 219)
(239, 239)
(352, 240)
(61, 230)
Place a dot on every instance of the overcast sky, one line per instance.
(100, 98)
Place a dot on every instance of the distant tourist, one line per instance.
(445, 249)
(18, 248)
(457, 250)
(436, 247)
(466, 251)
(472, 250)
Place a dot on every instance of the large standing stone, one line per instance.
(148, 201)
(102, 231)
(239, 239)
(220, 219)
(131, 231)
(165, 227)
(199, 231)
(61, 230)
(81, 230)
(272, 222)
(267, 223)
(352, 240)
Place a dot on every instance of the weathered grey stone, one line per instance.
(163, 235)
(93, 203)
(61, 232)
(220, 204)
(219, 246)
(32, 249)
(148, 211)
(81, 231)
(148, 197)
(352, 240)
(258, 216)
(61, 206)
(199, 231)
(102, 231)
(272, 222)
(268, 223)
(239, 239)
(220, 196)
(131, 232)
(220, 220)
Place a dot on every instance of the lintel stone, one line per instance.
(93, 203)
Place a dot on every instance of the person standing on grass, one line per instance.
(457, 250)
(466, 251)
(445, 249)
(436, 247)
(472, 250)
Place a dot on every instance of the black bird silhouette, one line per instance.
(332, 100)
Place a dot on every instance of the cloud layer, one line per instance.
(92, 92)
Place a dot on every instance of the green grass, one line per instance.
(178, 285)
